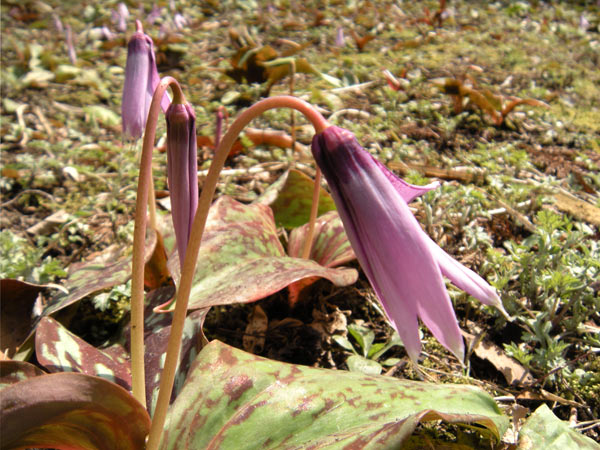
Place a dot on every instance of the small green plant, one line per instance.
(21, 260)
(366, 353)
(553, 272)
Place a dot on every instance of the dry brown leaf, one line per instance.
(464, 174)
(327, 324)
(580, 209)
(254, 336)
(547, 396)
(512, 370)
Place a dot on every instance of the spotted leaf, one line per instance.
(291, 200)
(71, 411)
(12, 372)
(59, 350)
(241, 259)
(330, 246)
(232, 398)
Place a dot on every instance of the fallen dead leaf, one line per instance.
(512, 370)
(580, 209)
(254, 337)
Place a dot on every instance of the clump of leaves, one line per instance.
(21, 260)
(553, 272)
(366, 353)
(464, 90)
(254, 64)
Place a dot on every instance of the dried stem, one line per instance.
(191, 256)
(139, 239)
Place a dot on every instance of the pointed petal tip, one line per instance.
(500, 307)
(493, 299)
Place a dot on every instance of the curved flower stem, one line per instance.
(145, 185)
(191, 256)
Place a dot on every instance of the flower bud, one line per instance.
(182, 171)
(141, 79)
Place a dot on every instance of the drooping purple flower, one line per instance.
(179, 21)
(57, 23)
(182, 171)
(141, 79)
(154, 15)
(119, 17)
(403, 264)
(340, 40)
(70, 47)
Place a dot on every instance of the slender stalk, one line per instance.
(314, 209)
(139, 240)
(152, 205)
(191, 256)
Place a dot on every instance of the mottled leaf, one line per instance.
(233, 399)
(12, 372)
(59, 350)
(544, 430)
(157, 328)
(330, 245)
(330, 248)
(17, 299)
(241, 259)
(292, 205)
(71, 411)
(109, 269)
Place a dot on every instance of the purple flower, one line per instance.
(141, 79)
(179, 21)
(340, 40)
(70, 47)
(182, 171)
(119, 17)
(403, 264)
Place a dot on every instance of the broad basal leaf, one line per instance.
(59, 350)
(241, 259)
(12, 372)
(157, 328)
(107, 270)
(71, 411)
(544, 430)
(233, 399)
(330, 246)
(17, 299)
(292, 205)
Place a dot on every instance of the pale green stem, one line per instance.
(191, 256)
(139, 239)
(314, 209)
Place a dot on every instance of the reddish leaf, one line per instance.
(241, 259)
(292, 205)
(59, 350)
(71, 411)
(12, 372)
(361, 41)
(16, 307)
(330, 248)
(156, 273)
